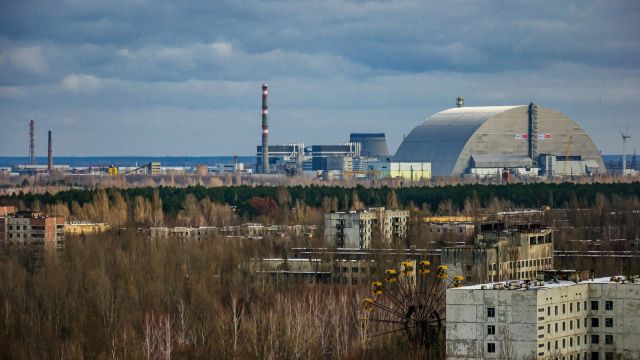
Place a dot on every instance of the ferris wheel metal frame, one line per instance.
(411, 302)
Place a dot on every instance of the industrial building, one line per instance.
(372, 145)
(484, 141)
(590, 319)
(357, 229)
(502, 251)
(31, 229)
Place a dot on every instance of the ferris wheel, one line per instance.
(411, 303)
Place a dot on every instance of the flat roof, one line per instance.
(534, 284)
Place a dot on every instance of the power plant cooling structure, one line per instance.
(265, 129)
(50, 156)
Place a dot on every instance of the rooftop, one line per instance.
(524, 285)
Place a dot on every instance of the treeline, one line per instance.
(253, 201)
(120, 296)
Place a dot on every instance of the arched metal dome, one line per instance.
(451, 138)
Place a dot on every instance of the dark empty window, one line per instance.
(608, 305)
(608, 322)
(608, 339)
(491, 312)
(595, 339)
(491, 330)
(491, 347)
(595, 322)
(594, 305)
(595, 355)
(608, 356)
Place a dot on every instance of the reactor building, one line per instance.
(487, 140)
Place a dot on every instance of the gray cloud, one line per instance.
(183, 77)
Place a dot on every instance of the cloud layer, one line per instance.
(183, 78)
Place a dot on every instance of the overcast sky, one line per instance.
(138, 77)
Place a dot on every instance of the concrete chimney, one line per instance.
(265, 130)
(50, 156)
(32, 154)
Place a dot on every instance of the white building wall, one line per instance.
(552, 321)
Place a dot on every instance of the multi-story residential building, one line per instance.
(357, 229)
(502, 252)
(592, 319)
(27, 228)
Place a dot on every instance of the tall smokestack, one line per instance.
(32, 155)
(50, 156)
(265, 130)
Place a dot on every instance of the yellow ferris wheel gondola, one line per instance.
(391, 276)
(423, 267)
(376, 288)
(407, 268)
(442, 272)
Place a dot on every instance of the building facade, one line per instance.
(592, 319)
(357, 229)
(26, 228)
(502, 252)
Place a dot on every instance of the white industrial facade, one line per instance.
(592, 319)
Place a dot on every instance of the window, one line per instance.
(595, 322)
(548, 310)
(595, 339)
(564, 343)
(578, 340)
(570, 324)
(570, 307)
(556, 309)
(570, 342)
(556, 326)
(608, 339)
(594, 305)
(491, 312)
(595, 355)
(491, 347)
(354, 269)
(608, 305)
(578, 306)
(608, 356)
(548, 328)
(491, 330)
(608, 322)
(564, 308)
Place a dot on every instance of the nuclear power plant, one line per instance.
(462, 142)
(485, 140)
